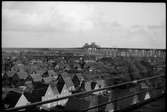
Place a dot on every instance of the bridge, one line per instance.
(140, 106)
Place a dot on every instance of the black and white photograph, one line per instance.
(60, 56)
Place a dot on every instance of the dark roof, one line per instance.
(12, 98)
(37, 93)
(76, 104)
(80, 76)
(15, 79)
(45, 74)
(75, 80)
(60, 83)
(29, 78)
(67, 78)
(101, 99)
(93, 85)
(42, 89)
(35, 96)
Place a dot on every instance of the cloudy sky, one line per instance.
(71, 24)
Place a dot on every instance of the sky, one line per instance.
(72, 24)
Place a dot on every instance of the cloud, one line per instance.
(16, 20)
(46, 17)
(58, 24)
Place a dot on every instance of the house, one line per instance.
(64, 92)
(33, 68)
(64, 86)
(40, 89)
(93, 101)
(21, 67)
(68, 81)
(76, 104)
(36, 77)
(51, 93)
(29, 78)
(102, 99)
(46, 78)
(109, 108)
(11, 99)
(22, 75)
(60, 83)
(88, 85)
(135, 98)
(144, 86)
(147, 96)
(22, 101)
(80, 76)
(67, 67)
(52, 73)
(77, 79)
(58, 88)
(15, 79)
(11, 73)
(15, 68)
(5, 76)
(100, 84)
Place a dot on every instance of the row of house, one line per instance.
(61, 86)
(64, 85)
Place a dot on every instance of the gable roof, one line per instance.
(60, 83)
(67, 79)
(64, 92)
(45, 74)
(22, 101)
(93, 85)
(75, 80)
(101, 83)
(42, 89)
(49, 91)
(80, 77)
(68, 82)
(53, 86)
(88, 86)
(49, 95)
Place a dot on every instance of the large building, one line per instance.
(89, 50)
(94, 49)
